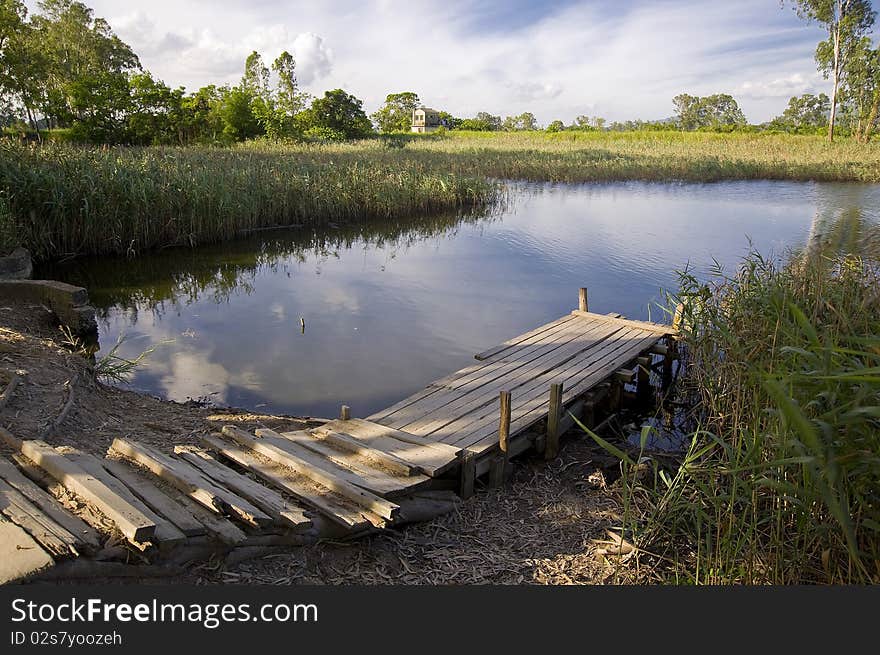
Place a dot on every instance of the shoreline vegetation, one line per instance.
(780, 482)
(62, 200)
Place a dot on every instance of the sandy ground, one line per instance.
(541, 527)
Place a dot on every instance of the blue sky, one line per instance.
(558, 59)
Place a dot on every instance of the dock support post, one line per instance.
(671, 345)
(468, 474)
(643, 378)
(554, 415)
(498, 467)
(583, 304)
(504, 423)
(345, 413)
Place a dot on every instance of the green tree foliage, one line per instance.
(556, 126)
(804, 113)
(396, 114)
(22, 63)
(88, 68)
(336, 115)
(847, 22)
(525, 121)
(716, 111)
(860, 90)
(156, 114)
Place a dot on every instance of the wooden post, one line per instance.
(551, 449)
(583, 305)
(468, 474)
(504, 423)
(643, 378)
(345, 413)
(497, 468)
(667, 362)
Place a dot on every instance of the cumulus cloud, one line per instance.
(619, 60)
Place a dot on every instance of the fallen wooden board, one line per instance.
(20, 556)
(275, 447)
(431, 458)
(49, 505)
(154, 498)
(191, 481)
(356, 470)
(166, 532)
(302, 461)
(268, 500)
(130, 521)
(346, 442)
(284, 479)
(57, 541)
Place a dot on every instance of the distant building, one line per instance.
(425, 120)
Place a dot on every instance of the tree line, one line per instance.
(64, 70)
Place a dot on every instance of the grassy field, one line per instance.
(781, 481)
(61, 200)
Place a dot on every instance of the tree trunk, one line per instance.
(872, 117)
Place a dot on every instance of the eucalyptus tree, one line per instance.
(846, 22)
(396, 114)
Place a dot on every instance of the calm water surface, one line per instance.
(389, 308)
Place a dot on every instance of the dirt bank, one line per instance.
(539, 528)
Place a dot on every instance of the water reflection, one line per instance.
(391, 307)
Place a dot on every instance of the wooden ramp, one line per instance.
(348, 477)
(578, 351)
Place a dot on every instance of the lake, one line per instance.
(389, 308)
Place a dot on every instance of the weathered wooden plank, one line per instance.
(307, 464)
(191, 482)
(155, 498)
(477, 404)
(468, 475)
(502, 375)
(130, 521)
(363, 473)
(432, 459)
(533, 393)
(295, 484)
(86, 536)
(20, 556)
(446, 386)
(270, 501)
(541, 330)
(166, 532)
(504, 422)
(641, 325)
(57, 541)
(531, 409)
(382, 458)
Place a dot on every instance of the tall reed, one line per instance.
(782, 480)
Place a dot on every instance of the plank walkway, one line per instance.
(578, 351)
(348, 477)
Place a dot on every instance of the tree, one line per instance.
(396, 114)
(846, 22)
(556, 126)
(525, 121)
(155, 113)
(860, 89)
(86, 70)
(715, 111)
(237, 113)
(804, 112)
(491, 122)
(337, 113)
(22, 63)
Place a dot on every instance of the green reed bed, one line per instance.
(62, 200)
(782, 481)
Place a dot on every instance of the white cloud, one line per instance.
(619, 61)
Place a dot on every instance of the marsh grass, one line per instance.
(67, 200)
(781, 483)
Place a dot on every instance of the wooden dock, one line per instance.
(245, 492)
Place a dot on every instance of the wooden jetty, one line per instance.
(239, 493)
